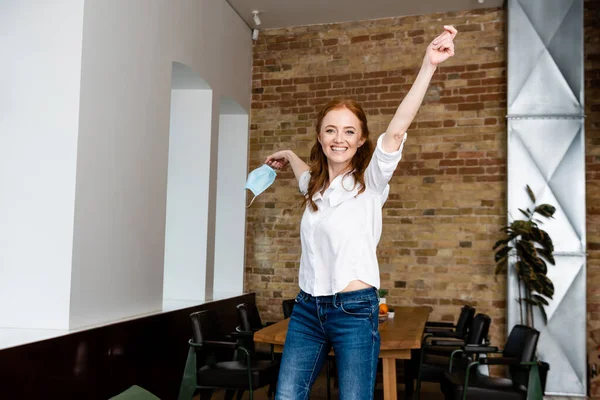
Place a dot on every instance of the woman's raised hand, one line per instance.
(442, 47)
(277, 160)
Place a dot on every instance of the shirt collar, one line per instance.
(341, 189)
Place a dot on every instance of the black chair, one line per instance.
(247, 374)
(435, 353)
(439, 330)
(288, 307)
(518, 355)
(450, 330)
(249, 321)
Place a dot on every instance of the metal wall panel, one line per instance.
(546, 151)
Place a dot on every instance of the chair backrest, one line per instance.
(248, 317)
(205, 326)
(521, 344)
(288, 307)
(479, 329)
(464, 320)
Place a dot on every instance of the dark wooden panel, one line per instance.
(102, 362)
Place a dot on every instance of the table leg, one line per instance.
(389, 379)
(408, 380)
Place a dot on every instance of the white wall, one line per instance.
(40, 47)
(84, 134)
(128, 50)
(187, 194)
(231, 211)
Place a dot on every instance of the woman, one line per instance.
(345, 188)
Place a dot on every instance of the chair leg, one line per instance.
(229, 394)
(205, 394)
(271, 391)
(240, 394)
(418, 390)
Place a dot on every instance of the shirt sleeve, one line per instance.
(382, 167)
(303, 182)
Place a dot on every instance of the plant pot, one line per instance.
(382, 300)
(391, 315)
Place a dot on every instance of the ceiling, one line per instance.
(285, 13)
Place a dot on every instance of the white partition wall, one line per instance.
(120, 213)
(231, 211)
(187, 186)
(39, 112)
(84, 149)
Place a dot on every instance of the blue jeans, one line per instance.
(346, 321)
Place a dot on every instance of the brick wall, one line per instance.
(447, 198)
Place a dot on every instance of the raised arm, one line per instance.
(284, 157)
(438, 51)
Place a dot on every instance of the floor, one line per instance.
(319, 392)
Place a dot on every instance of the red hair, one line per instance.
(319, 173)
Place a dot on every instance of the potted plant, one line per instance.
(382, 293)
(533, 248)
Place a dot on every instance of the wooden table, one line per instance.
(398, 336)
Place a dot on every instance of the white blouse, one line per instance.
(339, 240)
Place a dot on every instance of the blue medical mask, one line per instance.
(259, 180)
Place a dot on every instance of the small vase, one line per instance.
(382, 300)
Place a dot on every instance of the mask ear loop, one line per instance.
(252, 201)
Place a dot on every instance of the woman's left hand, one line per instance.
(442, 47)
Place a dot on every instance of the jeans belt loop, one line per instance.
(334, 300)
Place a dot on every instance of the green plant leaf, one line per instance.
(544, 315)
(539, 265)
(500, 267)
(519, 268)
(525, 272)
(528, 253)
(530, 193)
(545, 210)
(500, 254)
(541, 236)
(525, 249)
(535, 284)
(547, 255)
(501, 242)
(520, 227)
(531, 302)
(546, 241)
(525, 213)
(540, 299)
(548, 286)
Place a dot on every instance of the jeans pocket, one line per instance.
(359, 308)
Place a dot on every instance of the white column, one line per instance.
(231, 211)
(40, 72)
(187, 194)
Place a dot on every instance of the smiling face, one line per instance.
(340, 137)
